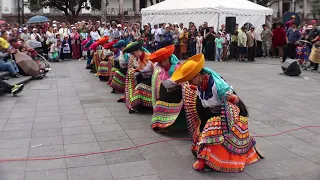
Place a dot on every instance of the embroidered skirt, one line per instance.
(224, 146)
(137, 94)
(168, 111)
(118, 80)
(103, 69)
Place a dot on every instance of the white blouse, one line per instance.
(211, 102)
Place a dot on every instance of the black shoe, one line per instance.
(113, 91)
(17, 89)
(132, 111)
(88, 67)
(120, 100)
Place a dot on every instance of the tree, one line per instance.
(71, 8)
(261, 2)
(96, 4)
(315, 8)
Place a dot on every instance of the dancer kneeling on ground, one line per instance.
(168, 112)
(217, 119)
(138, 79)
(119, 76)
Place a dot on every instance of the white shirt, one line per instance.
(94, 35)
(50, 36)
(33, 36)
(211, 102)
(63, 32)
(156, 33)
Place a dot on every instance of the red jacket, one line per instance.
(279, 37)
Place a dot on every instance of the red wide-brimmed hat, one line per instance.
(110, 44)
(162, 54)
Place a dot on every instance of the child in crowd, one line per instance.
(54, 52)
(66, 49)
(219, 47)
(84, 39)
(199, 40)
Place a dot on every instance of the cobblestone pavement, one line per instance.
(73, 112)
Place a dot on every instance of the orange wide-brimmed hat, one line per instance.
(103, 40)
(189, 69)
(161, 54)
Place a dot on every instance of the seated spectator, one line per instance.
(10, 89)
(5, 65)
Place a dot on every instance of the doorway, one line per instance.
(286, 7)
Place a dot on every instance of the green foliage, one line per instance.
(261, 2)
(315, 8)
(71, 8)
(96, 4)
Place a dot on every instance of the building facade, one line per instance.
(9, 9)
(302, 7)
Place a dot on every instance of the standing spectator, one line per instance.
(14, 33)
(252, 44)
(135, 33)
(316, 40)
(75, 44)
(102, 29)
(176, 42)
(94, 33)
(204, 32)
(25, 35)
(63, 31)
(210, 44)
(313, 34)
(66, 49)
(35, 35)
(199, 40)
(293, 35)
(225, 43)
(242, 43)
(184, 43)
(278, 40)
(218, 41)
(167, 37)
(181, 28)
(50, 36)
(266, 38)
(107, 31)
(234, 45)
(156, 32)
(192, 40)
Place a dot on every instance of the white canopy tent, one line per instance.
(212, 11)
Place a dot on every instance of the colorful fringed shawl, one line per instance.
(232, 134)
(224, 145)
(164, 114)
(137, 94)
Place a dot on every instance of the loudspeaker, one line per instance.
(231, 24)
(291, 68)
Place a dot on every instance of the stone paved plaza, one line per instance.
(72, 112)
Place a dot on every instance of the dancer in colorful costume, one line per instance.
(119, 76)
(168, 112)
(138, 79)
(113, 63)
(104, 69)
(97, 57)
(217, 119)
